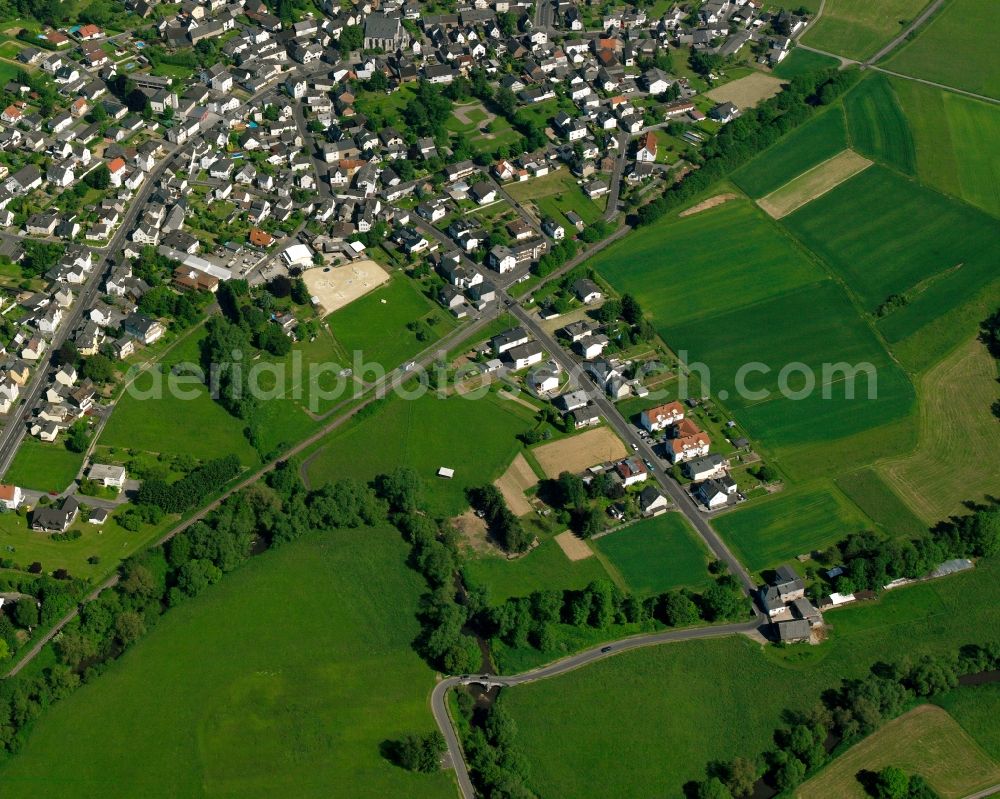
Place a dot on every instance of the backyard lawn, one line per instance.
(284, 679)
(553, 195)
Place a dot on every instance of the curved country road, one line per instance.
(439, 696)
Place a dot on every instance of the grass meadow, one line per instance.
(674, 708)
(976, 707)
(553, 195)
(876, 125)
(931, 55)
(857, 28)
(925, 741)
(284, 679)
(796, 521)
(866, 489)
(544, 567)
(820, 138)
(956, 142)
(800, 61)
(657, 555)
(885, 234)
(475, 437)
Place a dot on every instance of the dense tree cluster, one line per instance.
(498, 768)
(418, 752)
(191, 489)
(505, 528)
(535, 620)
(754, 131)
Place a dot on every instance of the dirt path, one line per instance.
(711, 202)
(518, 478)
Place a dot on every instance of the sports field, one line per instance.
(813, 183)
(674, 708)
(375, 324)
(955, 138)
(959, 437)
(925, 741)
(657, 555)
(857, 28)
(284, 679)
(976, 707)
(931, 56)
(790, 523)
(886, 235)
(475, 437)
(337, 286)
(876, 125)
(820, 138)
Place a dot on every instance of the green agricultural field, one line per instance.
(674, 708)
(375, 324)
(886, 235)
(808, 145)
(553, 195)
(790, 523)
(814, 325)
(975, 707)
(476, 437)
(800, 61)
(658, 555)
(44, 466)
(746, 263)
(956, 142)
(877, 126)
(866, 489)
(109, 543)
(285, 679)
(857, 28)
(931, 55)
(544, 567)
(925, 741)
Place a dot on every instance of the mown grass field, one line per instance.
(808, 145)
(975, 707)
(814, 325)
(931, 55)
(151, 418)
(925, 741)
(674, 708)
(885, 234)
(744, 263)
(543, 568)
(657, 555)
(284, 679)
(876, 124)
(857, 29)
(792, 522)
(375, 325)
(956, 142)
(476, 437)
(959, 438)
(866, 489)
(44, 466)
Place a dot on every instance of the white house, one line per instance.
(108, 476)
(11, 496)
(661, 417)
